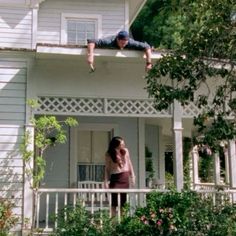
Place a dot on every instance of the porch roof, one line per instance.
(56, 50)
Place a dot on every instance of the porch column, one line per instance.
(226, 155)
(232, 163)
(216, 159)
(140, 176)
(28, 210)
(178, 149)
(195, 160)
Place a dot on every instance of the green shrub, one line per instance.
(171, 213)
(76, 221)
(180, 214)
(7, 218)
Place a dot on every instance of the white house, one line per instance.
(43, 56)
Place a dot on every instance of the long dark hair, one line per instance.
(114, 143)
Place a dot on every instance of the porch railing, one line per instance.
(50, 201)
(210, 186)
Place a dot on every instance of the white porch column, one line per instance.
(216, 168)
(226, 154)
(232, 163)
(28, 192)
(141, 151)
(178, 149)
(141, 175)
(195, 160)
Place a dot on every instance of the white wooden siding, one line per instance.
(49, 23)
(12, 119)
(15, 27)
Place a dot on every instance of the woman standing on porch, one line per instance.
(118, 170)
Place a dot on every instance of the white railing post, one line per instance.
(56, 209)
(195, 160)
(37, 209)
(47, 209)
(119, 207)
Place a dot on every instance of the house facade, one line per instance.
(43, 56)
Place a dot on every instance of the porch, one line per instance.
(98, 201)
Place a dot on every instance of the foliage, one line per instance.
(171, 213)
(149, 163)
(201, 69)
(48, 132)
(7, 218)
(205, 165)
(159, 23)
(76, 220)
(182, 214)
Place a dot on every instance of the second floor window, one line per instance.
(77, 28)
(78, 31)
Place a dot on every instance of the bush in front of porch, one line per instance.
(181, 213)
(75, 221)
(7, 218)
(172, 213)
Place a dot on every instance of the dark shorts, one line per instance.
(120, 180)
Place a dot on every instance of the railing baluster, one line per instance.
(119, 207)
(56, 208)
(74, 199)
(83, 199)
(47, 209)
(101, 207)
(65, 205)
(128, 202)
(38, 207)
(92, 203)
(65, 199)
(110, 207)
(136, 200)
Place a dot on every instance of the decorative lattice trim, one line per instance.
(107, 106)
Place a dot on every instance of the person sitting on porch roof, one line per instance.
(120, 41)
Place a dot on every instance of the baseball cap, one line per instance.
(123, 35)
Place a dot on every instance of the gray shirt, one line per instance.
(111, 42)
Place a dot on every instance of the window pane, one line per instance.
(90, 35)
(81, 36)
(79, 30)
(100, 144)
(71, 25)
(71, 37)
(90, 27)
(84, 147)
(81, 26)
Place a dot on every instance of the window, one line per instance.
(92, 146)
(89, 142)
(76, 29)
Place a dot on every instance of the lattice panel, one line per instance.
(191, 110)
(169, 147)
(132, 106)
(113, 106)
(70, 105)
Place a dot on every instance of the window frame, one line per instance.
(113, 128)
(66, 16)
